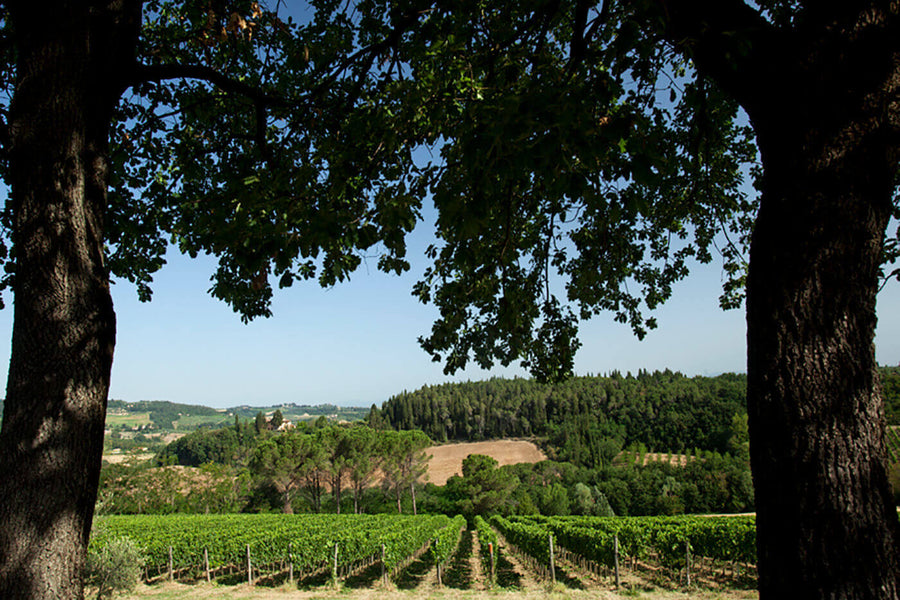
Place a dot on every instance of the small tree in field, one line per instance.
(115, 567)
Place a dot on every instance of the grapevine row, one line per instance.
(730, 539)
(487, 542)
(309, 539)
(447, 539)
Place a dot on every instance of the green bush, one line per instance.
(114, 567)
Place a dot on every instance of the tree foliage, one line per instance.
(143, 489)
(284, 147)
(482, 489)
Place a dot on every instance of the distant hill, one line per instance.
(163, 415)
(303, 412)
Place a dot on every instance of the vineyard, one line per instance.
(314, 550)
(672, 545)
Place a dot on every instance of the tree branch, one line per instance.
(159, 73)
(727, 39)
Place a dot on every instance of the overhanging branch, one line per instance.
(164, 72)
(727, 39)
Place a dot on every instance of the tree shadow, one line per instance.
(505, 571)
(363, 579)
(458, 574)
(410, 577)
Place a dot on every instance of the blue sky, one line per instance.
(355, 344)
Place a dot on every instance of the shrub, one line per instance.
(116, 566)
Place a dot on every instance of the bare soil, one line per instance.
(447, 460)
(125, 457)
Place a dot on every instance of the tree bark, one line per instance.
(64, 326)
(336, 485)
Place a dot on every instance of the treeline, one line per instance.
(250, 468)
(663, 410)
(354, 468)
(587, 420)
(306, 411)
(323, 467)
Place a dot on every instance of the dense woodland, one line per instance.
(586, 420)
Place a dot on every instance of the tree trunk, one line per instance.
(317, 493)
(336, 490)
(826, 523)
(822, 95)
(64, 326)
(412, 491)
(287, 507)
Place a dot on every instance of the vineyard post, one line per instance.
(171, 566)
(616, 560)
(206, 564)
(383, 572)
(291, 562)
(438, 563)
(491, 549)
(249, 567)
(552, 567)
(687, 562)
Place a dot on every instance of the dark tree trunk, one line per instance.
(336, 485)
(827, 527)
(317, 493)
(822, 95)
(64, 327)
(828, 138)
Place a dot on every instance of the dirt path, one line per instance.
(480, 578)
(420, 575)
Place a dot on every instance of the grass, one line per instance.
(205, 591)
(128, 419)
(194, 421)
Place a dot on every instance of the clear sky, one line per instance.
(356, 345)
